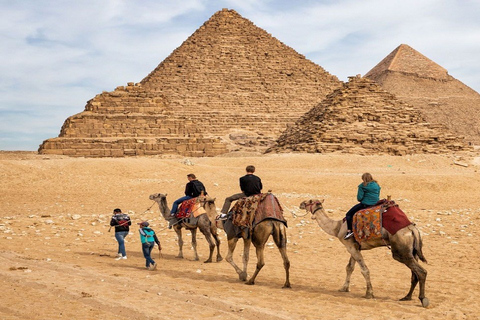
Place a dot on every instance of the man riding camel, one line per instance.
(193, 189)
(250, 184)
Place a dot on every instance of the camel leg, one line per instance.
(194, 244)
(178, 230)
(245, 257)
(414, 281)
(260, 235)
(350, 267)
(357, 256)
(419, 274)
(232, 244)
(260, 264)
(217, 243)
(211, 244)
(280, 239)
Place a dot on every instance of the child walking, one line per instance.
(148, 239)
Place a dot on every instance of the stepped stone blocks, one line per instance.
(230, 83)
(417, 80)
(363, 118)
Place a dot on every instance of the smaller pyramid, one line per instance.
(363, 118)
(419, 81)
(407, 60)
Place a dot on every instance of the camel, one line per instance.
(258, 236)
(406, 247)
(204, 223)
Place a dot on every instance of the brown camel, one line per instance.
(204, 223)
(259, 236)
(406, 246)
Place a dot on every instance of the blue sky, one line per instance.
(56, 55)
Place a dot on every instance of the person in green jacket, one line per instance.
(368, 195)
(148, 239)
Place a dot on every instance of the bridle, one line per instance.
(311, 204)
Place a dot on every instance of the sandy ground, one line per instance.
(57, 256)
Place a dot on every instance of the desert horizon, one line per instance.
(58, 255)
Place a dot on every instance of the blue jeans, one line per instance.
(147, 250)
(177, 203)
(120, 236)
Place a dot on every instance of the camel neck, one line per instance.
(330, 226)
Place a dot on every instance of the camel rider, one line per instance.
(368, 195)
(192, 190)
(250, 184)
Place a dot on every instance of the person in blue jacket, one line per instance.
(368, 195)
(148, 239)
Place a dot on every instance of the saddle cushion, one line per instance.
(186, 208)
(395, 219)
(367, 224)
(250, 211)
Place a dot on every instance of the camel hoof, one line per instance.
(407, 298)
(250, 283)
(287, 286)
(179, 257)
(207, 261)
(425, 302)
(242, 276)
(369, 296)
(219, 259)
(343, 289)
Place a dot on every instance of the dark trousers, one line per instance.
(351, 212)
(229, 200)
(147, 250)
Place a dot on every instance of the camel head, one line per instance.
(312, 206)
(157, 196)
(208, 203)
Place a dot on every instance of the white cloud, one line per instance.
(55, 55)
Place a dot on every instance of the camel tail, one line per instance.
(279, 234)
(417, 244)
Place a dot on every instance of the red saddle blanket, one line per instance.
(186, 208)
(368, 223)
(394, 219)
(250, 211)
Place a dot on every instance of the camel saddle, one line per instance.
(189, 207)
(368, 222)
(250, 211)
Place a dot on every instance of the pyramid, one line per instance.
(417, 80)
(363, 118)
(229, 86)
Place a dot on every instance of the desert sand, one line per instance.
(57, 256)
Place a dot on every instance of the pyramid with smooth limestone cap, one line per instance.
(419, 81)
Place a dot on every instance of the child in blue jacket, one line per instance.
(148, 239)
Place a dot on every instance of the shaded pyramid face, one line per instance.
(363, 118)
(230, 82)
(414, 78)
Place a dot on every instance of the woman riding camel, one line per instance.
(368, 195)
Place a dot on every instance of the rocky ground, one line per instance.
(57, 255)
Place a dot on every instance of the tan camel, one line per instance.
(259, 236)
(204, 223)
(406, 246)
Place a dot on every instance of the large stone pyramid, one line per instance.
(229, 85)
(363, 118)
(419, 81)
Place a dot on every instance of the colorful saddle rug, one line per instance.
(368, 223)
(189, 207)
(250, 211)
